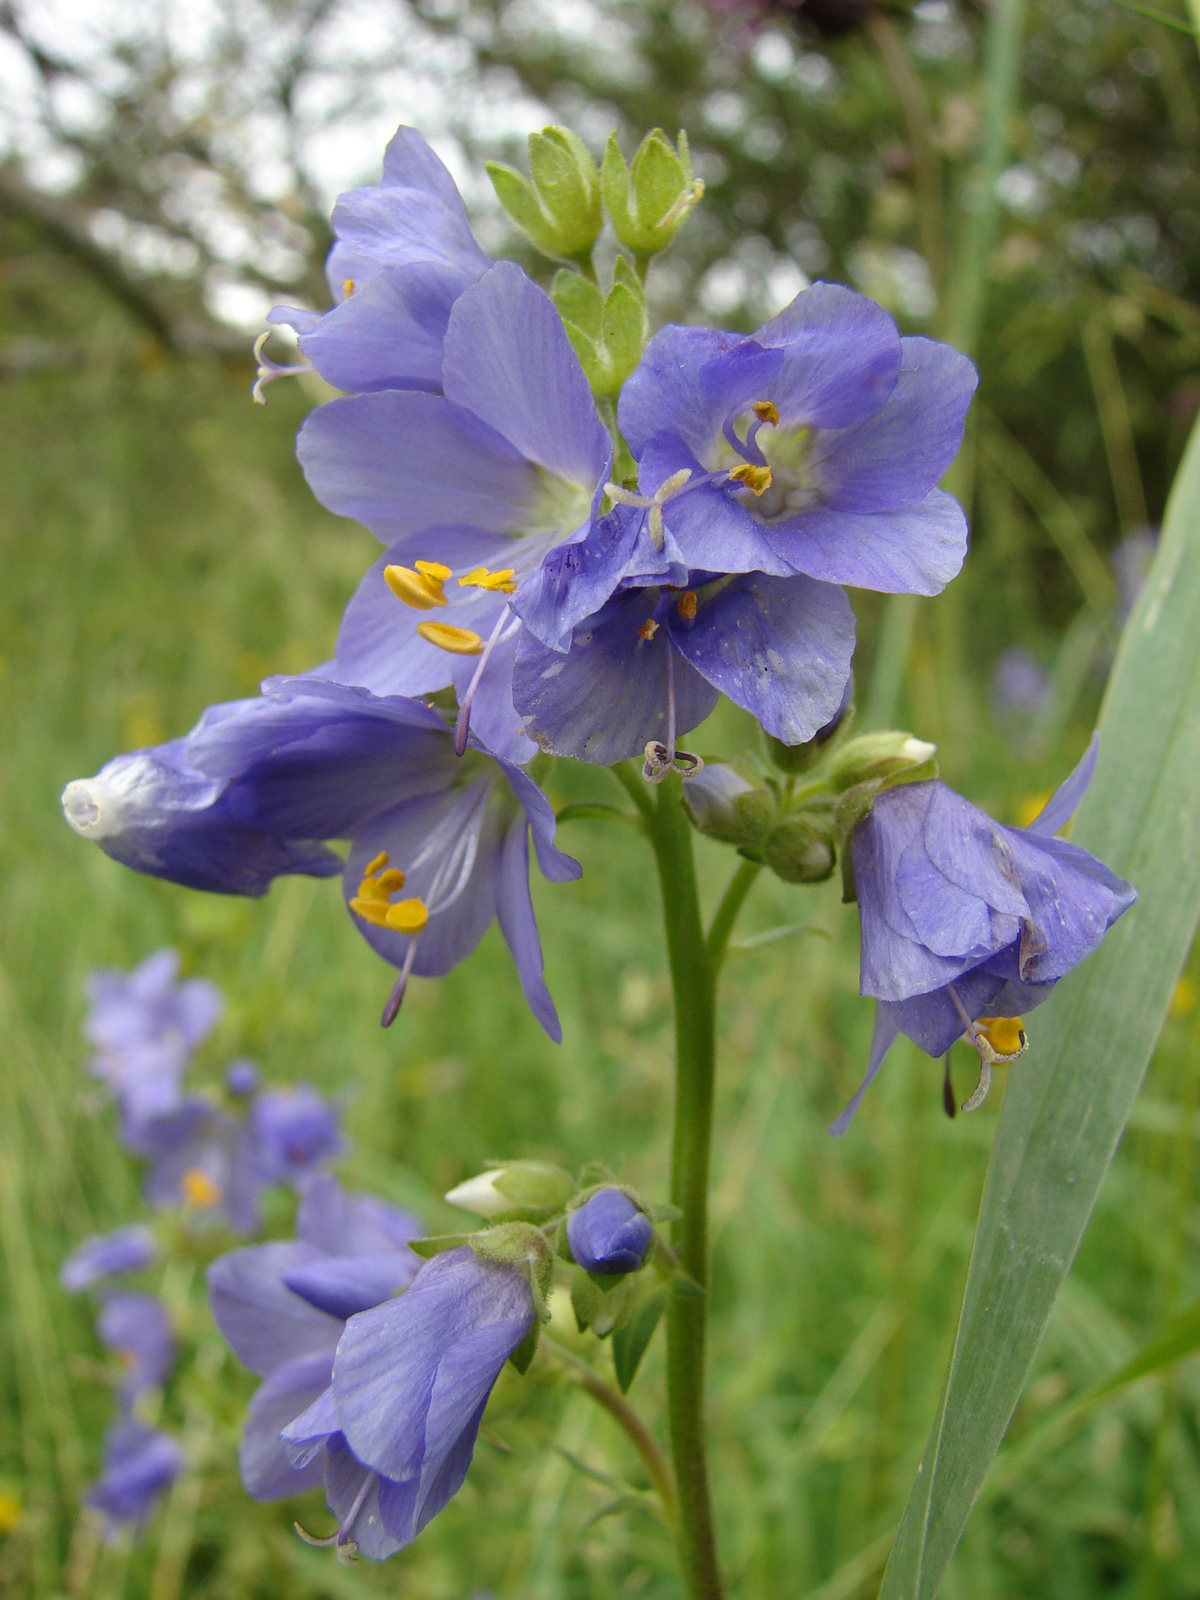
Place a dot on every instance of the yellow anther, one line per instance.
(376, 864)
(459, 641)
(414, 588)
(432, 569)
(370, 910)
(390, 881)
(199, 1190)
(756, 479)
(648, 629)
(1005, 1035)
(687, 605)
(407, 916)
(372, 889)
(348, 287)
(767, 411)
(481, 578)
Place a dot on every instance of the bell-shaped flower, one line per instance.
(145, 1025)
(439, 846)
(652, 662)
(283, 1306)
(609, 1233)
(137, 1329)
(404, 252)
(964, 919)
(204, 1162)
(296, 1132)
(411, 1380)
(139, 1464)
(107, 1255)
(814, 446)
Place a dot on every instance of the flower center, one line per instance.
(374, 903)
(199, 1190)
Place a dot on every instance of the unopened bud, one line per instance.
(607, 332)
(526, 1190)
(560, 209)
(796, 852)
(651, 199)
(725, 806)
(872, 756)
(609, 1234)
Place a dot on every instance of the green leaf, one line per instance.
(1066, 1104)
(631, 1341)
(433, 1246)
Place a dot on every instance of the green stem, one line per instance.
(693, 981)
(726, 915)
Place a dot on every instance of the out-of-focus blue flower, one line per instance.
(404, 253)
(609, 1234)
(137, 1329)
(652, 662)
(410, 1383)
(1131, 565)
(312, 760)
(204, 1160)
(814, 446)
(145, 1025)
(283, 1306)
(964, 919)
(1019, 683)
(241, 1077)
(107, 1255)
(139, 1463)
(296, 1132)
(487, 497)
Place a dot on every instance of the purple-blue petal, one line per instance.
(342, 1286)
(107, 1255)
(609, 1234)
(264, 1322)
(1064, 802)
(514, 909)
(341, 1224)
(285, 1394)
(914, 550)
(842, 355)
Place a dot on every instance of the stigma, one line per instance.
(374, 903)
(420, 586)
(199, 1190)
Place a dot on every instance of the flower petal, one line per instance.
(514, 908)
(342, 1286)
(881, 1042)
(1064, 802)
(841, 357)
(265, 1323)
(915, 550)
(267, 1474)
(388, 334)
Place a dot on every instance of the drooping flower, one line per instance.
(652, 662)
(107, 1255)
(139, 1464)
(283, 1306)
(296, 1131)
(137, 1329)
(609, 1233)
(964, 919)
(312, 760)
(145, 1025)
(205, 1161)
(410, 1383)
(813, 446)
(403, 254)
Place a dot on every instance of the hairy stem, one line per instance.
(643, 1441)
(693, 982)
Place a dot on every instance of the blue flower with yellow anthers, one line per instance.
(968, 925)
(439, 845)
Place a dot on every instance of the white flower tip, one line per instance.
(82, 808)
(917, 751)
(479, 1195)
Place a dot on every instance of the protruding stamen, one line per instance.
(1004, 1030)
(347, 287)
(462, 723)
(312, 1540)
(376, 864)
(648, 629)
(949, 1104)
(420, 589)
(767, 411)
(757, 479)
(982, 1087)
(654, 503)
(346, 1547)
(480, 578)
(686, 605)
(268, 370)
(458, 641)
(396, 999)
(199, 1190)
(406, 916)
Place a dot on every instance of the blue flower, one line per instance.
(283, 1307)
(241, 1077)
(403, 255)
(136, 1328)
(609, 1234)
(107, 1255)
(411, 1380)
(964, 919)
(139, 1464)
(296, 1131)
(652, 662)
(204, 1160)
(145, 1025)
(312, 760)
(814, 446)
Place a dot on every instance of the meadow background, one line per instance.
(1020, 180)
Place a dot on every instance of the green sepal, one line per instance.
(799, 853)
(585, 1301)
(651, 199)
(578, 300)
(520, 1244)
(523, 1355)
(559, 210)
(663, 1211)
(855, 803)
(632, 1339)
(436, 1243)
(613, 1309)
(536, 1188)
(686, 1287)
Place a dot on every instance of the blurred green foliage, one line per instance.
(160, 552)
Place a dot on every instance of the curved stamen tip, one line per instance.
(268, 370)
(659, 762)
(982, 1087)
(346, 1551)
(312, 1540)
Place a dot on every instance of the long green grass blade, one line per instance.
(1064, 1109)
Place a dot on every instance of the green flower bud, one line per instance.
(796, 852)
(878, 755)
(560, 209)
(651, 199)
(724, 806)
(608, 333)
(527, 1191)
(521, 1244)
